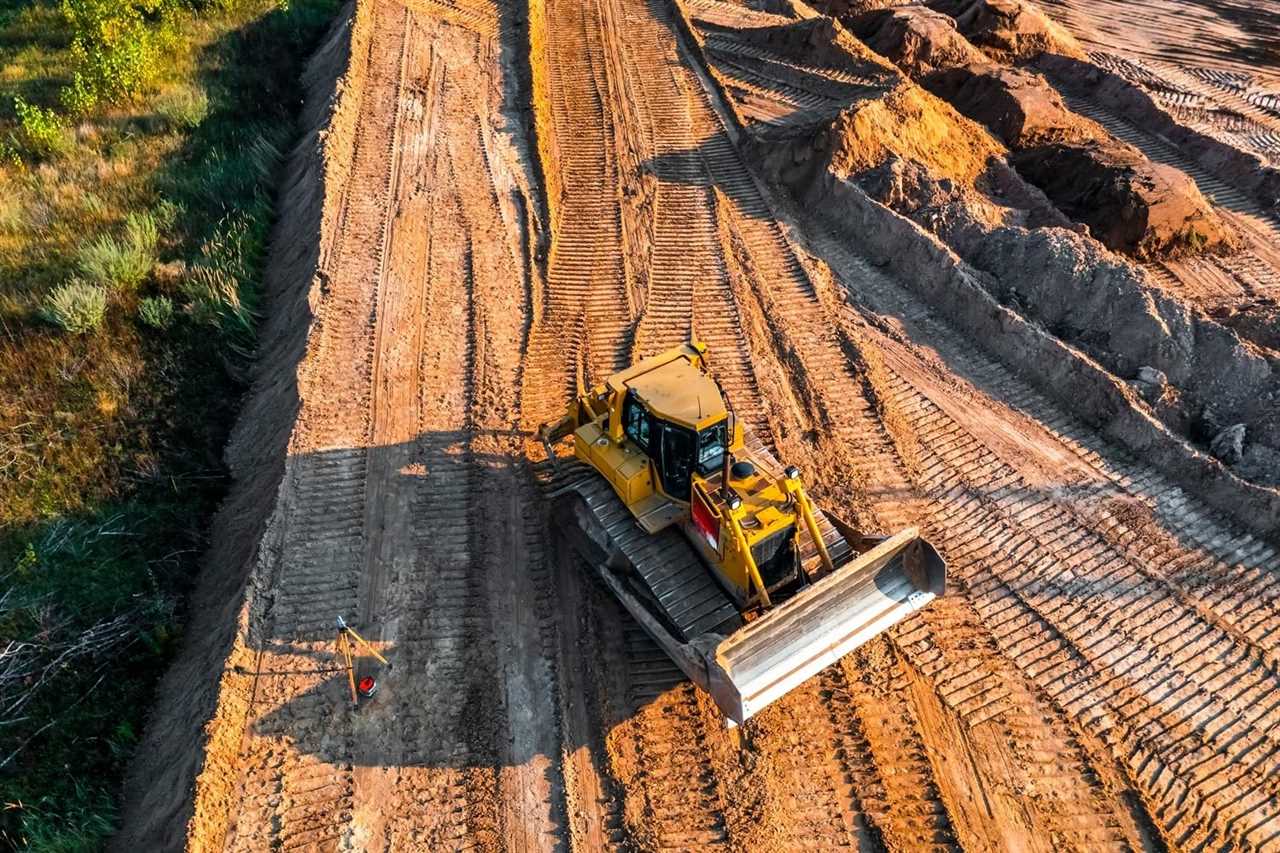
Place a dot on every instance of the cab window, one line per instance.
(635, 421)
(676, 462)
(712, 442)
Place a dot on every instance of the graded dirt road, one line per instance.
(497, 202)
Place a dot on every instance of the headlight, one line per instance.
(792, 472)
(734, 502)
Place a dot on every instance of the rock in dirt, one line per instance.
(916, 39)
(1150, 383)
(1019, 106)
(1228, 445)
(1009, 30)
(1151, 376)
(1129, 203)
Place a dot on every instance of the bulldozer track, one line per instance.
(683, 802)
(1095, 623)
(1204, 99)
(910, 808)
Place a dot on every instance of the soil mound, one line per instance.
(909, 124)
(916, 39)
(1129, 203)
(1019, 106)
(850, 8)
(821, 43)
(1008, 29)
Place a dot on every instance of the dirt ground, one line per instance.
(495, 201)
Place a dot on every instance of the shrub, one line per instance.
(156, 312)
(43, 133)
(116, 47)
(143, 231)
(183, 107)
(122, 263)
(75, 307)
(113, 262)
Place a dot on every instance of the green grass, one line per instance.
(152, 198)
(156, 311)
(75, 307)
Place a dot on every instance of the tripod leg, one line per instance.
(365, 645)
(345, 645)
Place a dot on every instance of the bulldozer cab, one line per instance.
(678, 451)
(673, 412)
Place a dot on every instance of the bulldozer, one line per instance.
(713, 546)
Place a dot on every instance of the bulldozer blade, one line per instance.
(772, 655)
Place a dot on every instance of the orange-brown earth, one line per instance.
(493, 202)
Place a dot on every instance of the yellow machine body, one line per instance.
(674, 390)
(794, 586)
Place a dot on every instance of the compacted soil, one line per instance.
(494, 203)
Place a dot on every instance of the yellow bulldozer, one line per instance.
(713, 546)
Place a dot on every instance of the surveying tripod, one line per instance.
(348, 642)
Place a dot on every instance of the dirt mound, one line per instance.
(1008, 29)
(913, 155)
(1019, 106)
(1245, 170)
(821, 43)
(1129, 203)
(916, 39)
(850, 8)
(909, 124)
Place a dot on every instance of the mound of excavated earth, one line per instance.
(917, 39)
(911, 152)
(1008, 29)
(908, 124)
(1129, 203)
(823, 43)
(1019, 106)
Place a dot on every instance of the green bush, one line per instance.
(122, 263)
(75, 307)
(156, 312)
(183, 107)
(117, 49)
(43, 133)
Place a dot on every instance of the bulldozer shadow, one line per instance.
(438, 552)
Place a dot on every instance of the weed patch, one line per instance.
(43, 133)
(156, 312)
(76, 307)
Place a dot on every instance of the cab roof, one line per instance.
(675, 389)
